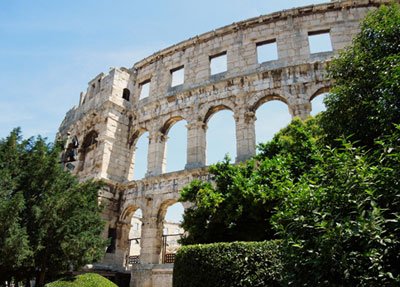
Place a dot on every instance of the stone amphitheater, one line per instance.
(119, 107)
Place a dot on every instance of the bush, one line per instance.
(228, 264)
(84, 280)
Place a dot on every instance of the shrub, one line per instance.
(228, 264)
(84, 280)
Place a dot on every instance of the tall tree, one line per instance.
(365, 101)
(14, 247)
(57, 217)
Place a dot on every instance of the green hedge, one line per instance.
(228, 265)
(84, 280)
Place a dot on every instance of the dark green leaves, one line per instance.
(48, 220)
(236, 264)
(365, 101)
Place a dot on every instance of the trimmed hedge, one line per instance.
(83, 280)
(228, 265)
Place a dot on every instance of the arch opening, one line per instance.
(171, 214)
(272, 116)
(176, 144)
(87, 150)
(214, 110)
(134, 238)
(169, 123)
(90, 139)
(267, 98)
(317, 104)
(221, 135)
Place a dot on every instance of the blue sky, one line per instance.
(50, 50)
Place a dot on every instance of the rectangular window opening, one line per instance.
(320, 41)
(218, 63)
(267, 51)
(144, 89)
(178, 76)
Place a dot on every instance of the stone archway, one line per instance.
(296, 77)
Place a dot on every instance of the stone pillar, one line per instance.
(151, 244)
(156, 158)
(301, 110)
(131, 167)
(151, 240)
(245, 136)
(196, 145)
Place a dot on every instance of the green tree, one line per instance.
(57, 217)
(365, 102)
(239, 203)
(13, 236)
(340, 221)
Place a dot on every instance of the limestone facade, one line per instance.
(112, 116)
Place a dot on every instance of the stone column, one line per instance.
(151, 240)
(131, 167)
(301, 110)
(156, 158)
(150, 248)
(196, 145)
(245, 136)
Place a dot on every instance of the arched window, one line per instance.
(176, 146)
(172, 232)
(317, 104)
(126, 94)
(272, 116)
(135, 234)
(221, 136)
(90, 139)
(87, 148)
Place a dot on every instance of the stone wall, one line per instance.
(112, 116)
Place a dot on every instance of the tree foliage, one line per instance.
(365, 102)
(239, 202)
(49, 221)
(340, 221)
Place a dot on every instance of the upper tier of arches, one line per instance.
(122, 113)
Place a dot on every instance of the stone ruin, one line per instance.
(119, 107)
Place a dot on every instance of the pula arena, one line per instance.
(112, 115)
